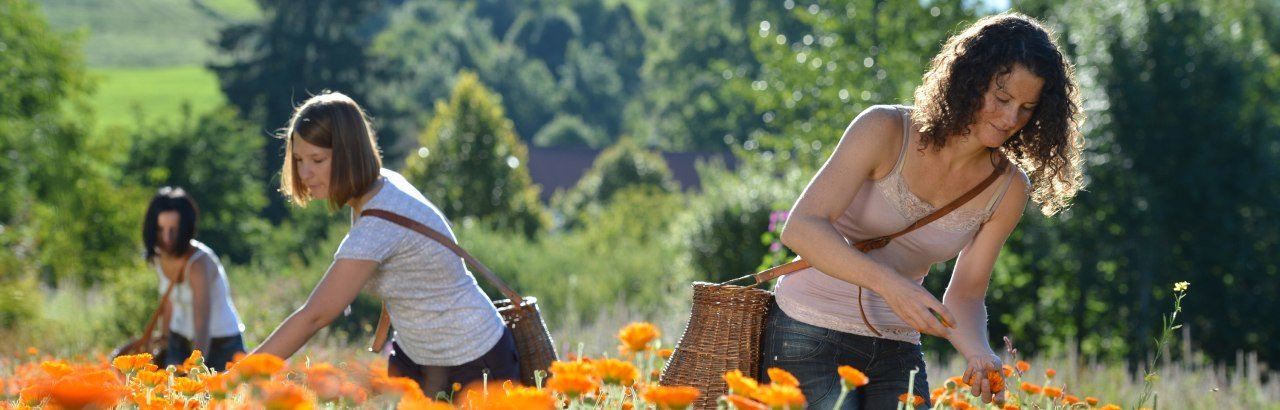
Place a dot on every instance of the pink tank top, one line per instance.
(882, 207)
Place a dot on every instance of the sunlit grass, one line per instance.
(156, 93)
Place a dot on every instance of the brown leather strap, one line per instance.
(145, 340)
(380, 335)
(880, 242)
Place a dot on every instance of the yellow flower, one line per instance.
(635, 337)
(616, 372)
(853, 378)
(780, 396)
(671, 397)
(779, 376)
(1181, 286)
(740, 384)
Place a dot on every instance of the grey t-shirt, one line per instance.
(440, 315)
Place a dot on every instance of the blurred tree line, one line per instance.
(1183, 129)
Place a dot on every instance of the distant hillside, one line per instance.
(147, 33)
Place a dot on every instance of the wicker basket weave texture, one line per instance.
(723, 334)
(533, 342)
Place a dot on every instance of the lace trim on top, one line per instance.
(912, 208)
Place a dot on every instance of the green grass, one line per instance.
(147, 33)
(155, 93)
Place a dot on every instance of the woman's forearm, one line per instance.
(292, 334)
(970, 334)
(817, 241)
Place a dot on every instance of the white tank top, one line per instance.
(224, 321)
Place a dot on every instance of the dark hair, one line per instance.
(334, 121)
(1049, 147)
(171, 199)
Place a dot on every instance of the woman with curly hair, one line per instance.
(998, 105)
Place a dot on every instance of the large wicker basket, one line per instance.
(533, 341)
(723, 334)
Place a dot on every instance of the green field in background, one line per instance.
(157, 93)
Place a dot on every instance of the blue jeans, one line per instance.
(501, 362)
(813, 353)
(221, 350)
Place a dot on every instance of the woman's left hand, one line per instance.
(976, 375)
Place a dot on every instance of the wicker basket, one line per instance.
(723, 334)
(533, 342)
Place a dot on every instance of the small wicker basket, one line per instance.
(723, 335)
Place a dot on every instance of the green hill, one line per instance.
(147, 33)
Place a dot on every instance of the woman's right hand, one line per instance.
(916, 306)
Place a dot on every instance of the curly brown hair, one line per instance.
(1049, 147)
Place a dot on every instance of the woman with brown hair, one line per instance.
(998, 101)
(447, 330)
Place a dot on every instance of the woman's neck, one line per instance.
(961, 153)
(357, 203)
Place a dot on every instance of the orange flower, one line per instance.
(1052, 392)
(958, 382)
(780, 396)
(1111, 407)
(216, 384)
(572, 384)
(400, 386)
(635, 337)
(671, 397)
(131, 362)
(187, 387)
(1092, 401)
(740, 384)
(1023, 366)
(616, 372)
(1011, 407)
(1071, 399)
(32, 351)
(665, 353)
(285, 396)
(996, 380)
(155, 378)
(258, 365)
(783, 377)
(1030, 388)
(324, 380)
(93, 389)
(526, 398)
(195, 360)
(56, 369)
(743, 403)
(1008, 370)
(853, 378)
(962, 405)
(1050, 372)
(915, 401)
(579, 367)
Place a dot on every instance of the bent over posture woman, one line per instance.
(447, 330)
(999, 98)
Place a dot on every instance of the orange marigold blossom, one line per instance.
(1011, 407)
(1023, 366)
(665, 353)
(1050, 373)
(743, 403)
(628, 406)
(1052, 392)
(853, 378)
(579, 367)
(783, 377)
(95, 388)
(670, 397)
(739, 383)
(1070, 399)
(572, 384)
(151, 378)
(216, 384)
(1092, 401)
(1030, 388)
(958, 382)
(285, 396)
(996, 380)
(258, 365)
(616, 372)
(1007, 369)
(528, 398)
(56, 368)
(963, 405)
(636, 336)
(780, 396)
(187, 386)
(130, 363)
(1111, 407)
(195, 360)
(399, 386)
(915, 401)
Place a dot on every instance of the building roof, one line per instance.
(560, 168)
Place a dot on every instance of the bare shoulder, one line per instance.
(875, 135)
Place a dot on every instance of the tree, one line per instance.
(472, 165)
(217, 158)
(298, 49)
(623, 165)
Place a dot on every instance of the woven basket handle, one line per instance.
(877, 243)
(384, 319)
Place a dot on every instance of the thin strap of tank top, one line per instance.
(1004, 187)
(906, 135)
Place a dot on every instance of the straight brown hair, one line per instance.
(334, 121)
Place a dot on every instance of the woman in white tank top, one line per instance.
(200, 311)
